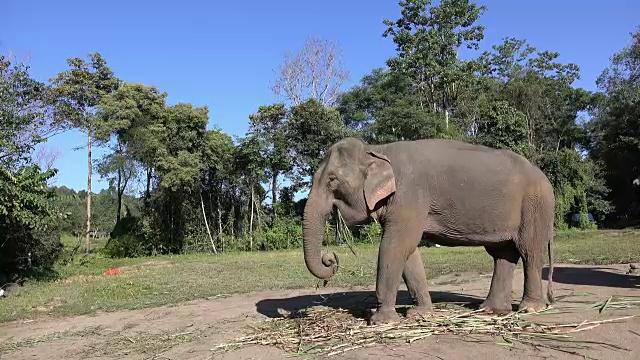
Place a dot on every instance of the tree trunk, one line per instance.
(121, 186)
(232, 215)
(274, 191)
(446, 119)
(119, 193)
(148, 191)
(257, 206)
(251, 223)
(206, 224)
(89, 168)
(121, 196)
(220, 223)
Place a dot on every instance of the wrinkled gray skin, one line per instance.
(447, 192)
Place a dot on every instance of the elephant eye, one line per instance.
(333, 181)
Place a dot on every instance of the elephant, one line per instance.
(449, 192)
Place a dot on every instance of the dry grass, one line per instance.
(326, 331)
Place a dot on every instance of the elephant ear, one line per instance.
(380, 181)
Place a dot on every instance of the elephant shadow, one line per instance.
(592, 277)
(356, 303)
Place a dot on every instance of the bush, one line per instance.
(285, 234)
(127, 239)
(29, 236)
(370, 233)
(27, 252)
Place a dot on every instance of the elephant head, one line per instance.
(353, 178)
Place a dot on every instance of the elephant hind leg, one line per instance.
(416, 280)
(535, 234)
(505, 258)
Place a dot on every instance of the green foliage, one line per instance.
(23, 113)
(105, 205)
(503, 127)
(268, 125)
(371, 233)
(286, 233)
(128, 239)
(578, 185)
(533, 83)
(78, 90)
(614, 132)
(311, 129)
(428, 39)
(29, 237)
(404, 121)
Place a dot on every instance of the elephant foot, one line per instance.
(530, 305)
(419, 311)
(498, 308)
(383, 316)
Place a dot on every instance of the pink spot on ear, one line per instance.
(383, 192)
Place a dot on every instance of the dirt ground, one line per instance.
(191, 330)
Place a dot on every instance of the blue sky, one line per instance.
(222, 53)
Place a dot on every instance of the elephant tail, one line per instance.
(550, 279)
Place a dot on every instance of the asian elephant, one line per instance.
(449, 192)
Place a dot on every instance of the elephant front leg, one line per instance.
(416, 280)
(398, 242)
(505, 259)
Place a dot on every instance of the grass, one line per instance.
(81, 287)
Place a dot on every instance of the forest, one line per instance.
(178, 185)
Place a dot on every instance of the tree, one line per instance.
(503, 127)
(25, 113)
(29, 237)
(77, 93)
(428, 40)
(537, 112)
(268, 125)
(249, 165)
(614, 131)
(535, 84)
(312, 129)
(315, 72)
(125, 114)
(217, 180)
(384, 108)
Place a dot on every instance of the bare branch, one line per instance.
(316, 71)
(45, 157)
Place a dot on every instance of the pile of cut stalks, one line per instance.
(326, 331)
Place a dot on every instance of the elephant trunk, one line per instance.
(315, 215)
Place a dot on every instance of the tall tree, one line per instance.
(78, 91)
(29, 236)
(312, 128)
(217, 180)
(384, 108)
(314, 72)
(269, 126)
(25, 113)
(249, 165)
(428, 40)
(126, 114)
(615, 127)
(534, 83)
